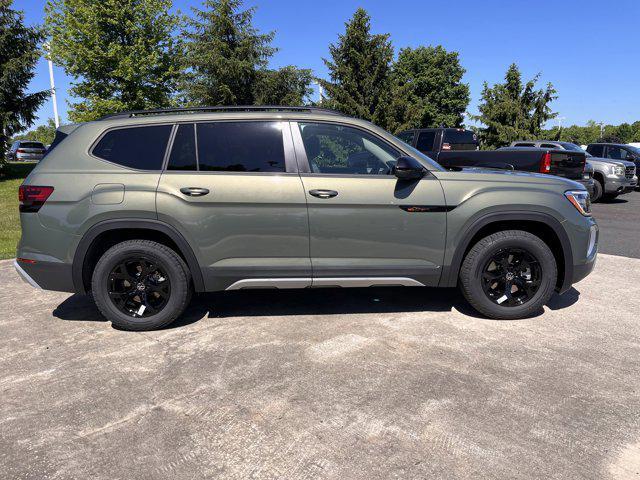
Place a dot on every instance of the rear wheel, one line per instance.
(508, 275)
(141, 285)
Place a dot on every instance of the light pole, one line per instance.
(560, 119)
(56, 119)
(320, 92)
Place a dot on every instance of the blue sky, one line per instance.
(589, 50)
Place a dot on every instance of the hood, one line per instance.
(516, 176)
(611, 161)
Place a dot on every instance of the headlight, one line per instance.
(617, 170)
(580, 199)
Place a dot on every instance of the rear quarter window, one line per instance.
(142, 148)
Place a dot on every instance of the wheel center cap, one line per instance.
(141, 287)
(510, 276)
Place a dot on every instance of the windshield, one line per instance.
(571, 146)
(635, 150)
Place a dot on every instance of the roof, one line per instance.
(218, 109)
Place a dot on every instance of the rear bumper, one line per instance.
(46, 275)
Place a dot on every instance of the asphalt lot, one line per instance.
(347, 384)
(619, 222)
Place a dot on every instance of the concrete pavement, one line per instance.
(348, 384)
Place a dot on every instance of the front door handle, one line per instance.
(323, 193)
(194, 191)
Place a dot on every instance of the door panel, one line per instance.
(370, 229)
(242, 224)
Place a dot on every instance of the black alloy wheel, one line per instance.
(139, 287)
(511, 277)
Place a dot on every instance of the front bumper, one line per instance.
(620, 185)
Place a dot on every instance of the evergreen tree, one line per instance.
(224, 54)
(19, 52)
(286, 86)
(360, 71)
(513, 111)
(428, 89)
(121, 53)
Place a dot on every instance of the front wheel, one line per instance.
(141, 285)
(598, 189)
(509, 275)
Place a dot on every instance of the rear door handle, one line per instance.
(323, 193)
(194, 191)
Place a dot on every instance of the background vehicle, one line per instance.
(26, 151)
(457, 148)
(142, 208)
(616, 151)
(613, 177)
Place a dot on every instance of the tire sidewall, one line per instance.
(100, 286)
(535, 247)
(599, 189)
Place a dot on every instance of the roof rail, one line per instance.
(234, 108)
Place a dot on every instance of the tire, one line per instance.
(597, 193)
(543, 271)
(165, 279)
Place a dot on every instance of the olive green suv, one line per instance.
(141, 209)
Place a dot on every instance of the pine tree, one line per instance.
(19, 52)
(224, 54)
(121, 53)
(514, 111)
(360, 71)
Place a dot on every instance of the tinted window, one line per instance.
(595, 150)
(137, 147)
(459, 140)
(616, 153)
(524, 145)
(31, 145)
(571, 146)
(406, 137)
(183, 152)
(550, 145)
(425, 141)
(241, 147)
(345, 150)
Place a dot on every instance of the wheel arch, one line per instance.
(541, 224)
(103, 235)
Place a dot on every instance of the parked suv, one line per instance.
(143, 208)
(26, 151)
(618, 152)
(612, 177)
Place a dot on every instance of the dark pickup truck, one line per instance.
(455, 148)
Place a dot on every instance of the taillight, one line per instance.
(32, 197)
(545, 163)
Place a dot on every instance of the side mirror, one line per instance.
(408, 168)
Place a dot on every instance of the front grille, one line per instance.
(630, 172)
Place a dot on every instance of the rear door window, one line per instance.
(595, 150)
(549, 145)
(426, 141)
(142, 148)
(240, 147)
(521, 144)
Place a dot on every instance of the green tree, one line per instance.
(224, 54)
(286, 86)
(42, 133)
(121, 53)
(513, 110)
(360, 72)
(19, 52)
(428, 89)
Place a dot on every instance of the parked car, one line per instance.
(458, 148)
(612, 177)
(26, 151)
(616, 151)
(142, 208)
